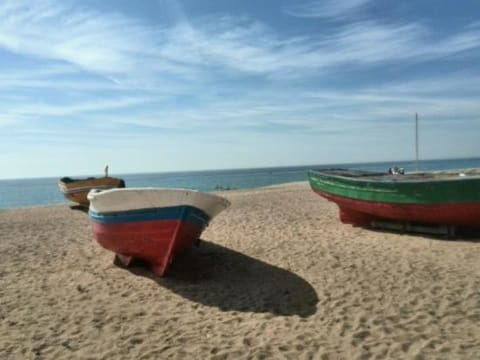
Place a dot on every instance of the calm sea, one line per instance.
(36, 192)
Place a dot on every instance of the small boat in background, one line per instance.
(76, 190)
(151, 224)
(449, 198)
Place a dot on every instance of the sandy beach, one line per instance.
(277, 276)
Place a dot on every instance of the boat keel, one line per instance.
(157, 268)
(123, 260)
(448, 231)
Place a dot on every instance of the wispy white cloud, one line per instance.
(123, 49)
(325, 8)
(165, 77)
(249, 47)
(456, 84)
(85, 38)
(316, 111)
(40, 110)
(52, 77)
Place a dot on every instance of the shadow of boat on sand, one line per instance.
(220, 277)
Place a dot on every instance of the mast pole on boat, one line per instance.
(416, 141)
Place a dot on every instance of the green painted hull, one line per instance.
(416, 188)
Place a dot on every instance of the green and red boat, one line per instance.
(437, 197)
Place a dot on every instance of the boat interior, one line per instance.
(389, 175)
(70, 180)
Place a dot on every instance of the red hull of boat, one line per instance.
(362, 213)
(155, 242)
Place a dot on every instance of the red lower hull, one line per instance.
(362, 213)
(155, 242)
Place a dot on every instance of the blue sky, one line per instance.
(162, 85)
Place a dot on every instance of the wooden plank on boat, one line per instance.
(448, 231)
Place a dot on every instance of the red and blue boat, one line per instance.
(449, 198)
(151, 224)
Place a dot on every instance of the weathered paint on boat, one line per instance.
(151, 224)
(448, 198)
(153, 235)
(76, 190)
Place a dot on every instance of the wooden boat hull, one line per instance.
(154, 234)
(76, 190)
(423, 198)
(363, 213)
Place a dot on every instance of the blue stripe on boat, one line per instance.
(184, 213)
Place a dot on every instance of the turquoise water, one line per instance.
(37, 192)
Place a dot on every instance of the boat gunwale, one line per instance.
(217, 197)
(377, 177)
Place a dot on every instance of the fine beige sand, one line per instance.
(277, 276)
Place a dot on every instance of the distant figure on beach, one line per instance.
(106, 171)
